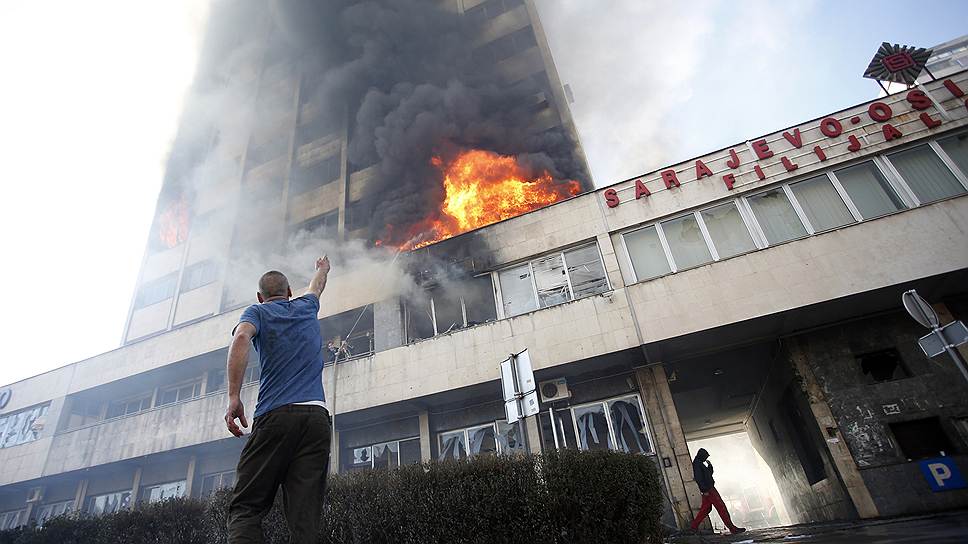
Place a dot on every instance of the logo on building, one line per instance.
(897, 63)
(5, 395)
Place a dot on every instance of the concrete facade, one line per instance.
(796, 341)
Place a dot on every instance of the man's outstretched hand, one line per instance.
(235, 410)
(322, 264)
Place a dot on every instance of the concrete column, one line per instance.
(36, 499)
(80, 495)
(610, 260)
(533, 435)
(135, 487)
(670, 442)
(387, 324)
(839, 453)
(334, 453)
(190, 476)
(426, 455)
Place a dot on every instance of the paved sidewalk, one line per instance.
(943, 528)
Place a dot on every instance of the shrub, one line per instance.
(561, 497)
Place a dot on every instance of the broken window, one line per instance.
(882, 366)
(357, 324)
(179, 393)
(156, 291)
(384, 455)
(489, 439)
(160, 492)
(628, 426)
(617, 424)
(120, 408)
(478, 299)
(557, 433)
(13, 519)
(456, 305)
(593, 433)
(552, 279)
(220, 480)
(53, 510)
(21, 427)
(922, 438)
(322, 226)
(109, 503)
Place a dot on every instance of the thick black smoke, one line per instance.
(405, 73)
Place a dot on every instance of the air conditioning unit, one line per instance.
(553, 390)
(35, 494)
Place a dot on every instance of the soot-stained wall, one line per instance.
(865, 409)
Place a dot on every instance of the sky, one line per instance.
(92, 96)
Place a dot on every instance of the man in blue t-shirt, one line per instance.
(291, 428)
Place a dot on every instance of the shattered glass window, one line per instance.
(386, 455)
(629, 427)
(593, 433)
(448, 311)
(21, 427)
(509, 437)
(482, 440)
(362, 459)
(551, 280)
(53, 510)
(160, 492)
(13, 519)
(479, 301)
(219, 480)
(586, 271)
(452, 446)
(517, 290)
(686, 242)
(109, 503)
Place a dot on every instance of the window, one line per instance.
(199, 274)
(179, 393)
(321, 226)
(686, 242)
(505, 46)
(616, 424)
(220, 480)
(384, 455)
(869, 190)
(160, 492)
(21, 427)
(451, 306)
(216, 378)
(315, 176)
(358, 323)
(48, 511)
(120, 408)
(926, 174)
(645, 251)
(109, 503)
(156, 291)
(489, 10)
(274, 148)
(821, 203)
(882, 366)
(552, 279)
(13, 519)
(921, 438)
(490, 439)
(956, 147)
(776, 216)
(727, 230)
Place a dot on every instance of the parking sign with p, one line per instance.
(942, 474)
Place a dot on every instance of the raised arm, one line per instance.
(234, 371)
(318, 283)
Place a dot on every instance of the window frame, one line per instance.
(221, 476)
(467, 438)
(68, 506)
(499, 292)
(141, 397)
(611, 430)
(196, 384)
(375, 444)
(146, 490)
(961, 177)
(20, 518)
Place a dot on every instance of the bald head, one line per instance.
(273, 284)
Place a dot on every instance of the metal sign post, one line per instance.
(517, 381)
(940, 339)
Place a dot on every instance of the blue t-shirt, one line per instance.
(290, 348)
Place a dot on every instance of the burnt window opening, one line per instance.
(505, 47)
(348, 335)
(803, 445)
(490, 9)
(883, 366)
(322, 226)
(357, 215)
(443, 310)
(274, 148)
(922, 438)
(315, 176)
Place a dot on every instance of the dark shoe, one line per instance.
(737, 530)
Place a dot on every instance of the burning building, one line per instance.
(754, 289)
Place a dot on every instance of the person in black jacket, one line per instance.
(702, 471)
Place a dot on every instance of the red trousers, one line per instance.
(710, 499)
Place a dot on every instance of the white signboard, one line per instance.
(517, 382)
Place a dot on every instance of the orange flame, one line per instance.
(482, 188)
(173, 223)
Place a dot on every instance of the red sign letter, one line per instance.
(854, 143)
(831, 127)
(761, 149)
(729, 180)
(702, 170)
(641, 190)
(890, 133)
(790, 166)
(953, 88)
(611, 198)
(670, 179)
(929, 121)
(918, 100)
(733, 161)
(759, 171)
(820, 154)
(880, 111)
(794, 139)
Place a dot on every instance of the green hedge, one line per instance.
(561, 497)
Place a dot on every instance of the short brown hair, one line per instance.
(273, 284)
